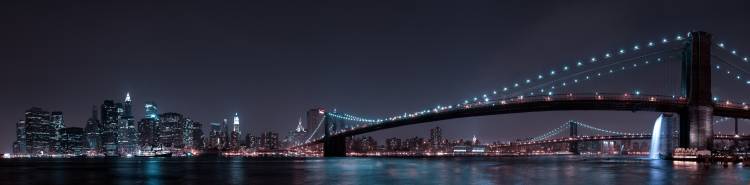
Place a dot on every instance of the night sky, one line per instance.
(272, 60)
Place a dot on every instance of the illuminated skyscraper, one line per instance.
(56, 119)
(19, 146)
(236, 123)
(110, 120)
(234, 138)
(314, 117)
(152, 111)
(127, 135)
(214, 136)
(39, 132)
(148, 134)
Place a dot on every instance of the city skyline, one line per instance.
(273, 73)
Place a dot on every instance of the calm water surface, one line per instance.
(546, 170)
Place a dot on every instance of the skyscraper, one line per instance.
(214, 136)
(127, 135)
(152, 111)
(72, 140)
(56, 119)
(196, 137)
(297, 136)
(314, 117)
(19, 146)
(236, 123)
(234, 137)
(170, 130)
(436, 137)
(148, 134)
(269, 140)
(93, 131)
(39, 131)
(110, 120)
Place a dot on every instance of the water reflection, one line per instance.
(153, 171)
(539, 170)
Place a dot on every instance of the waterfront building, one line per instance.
(72, 141)
(170, 130)
(127, 133)
(251, 141)
(19, 146)
(436, 138)
(93, 131)
(39, 131)
(393, 144)
(269, 141)
(194, 135)
(109, 120)
(214, 136)
(57, 121)
(148, 134)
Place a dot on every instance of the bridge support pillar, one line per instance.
(696, 130)
(334, 147)
(573, 133)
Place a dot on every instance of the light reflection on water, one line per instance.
(544, 170)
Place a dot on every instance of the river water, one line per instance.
(370, 171)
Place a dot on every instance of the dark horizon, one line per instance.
(272, 61)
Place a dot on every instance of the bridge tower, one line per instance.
(333, 146)
(695, 121)
(573, 127)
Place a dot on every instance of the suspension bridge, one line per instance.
(572, 133)
(695, 104)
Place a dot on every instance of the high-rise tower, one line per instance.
(236, 123)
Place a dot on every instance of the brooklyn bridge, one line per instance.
(693, 108)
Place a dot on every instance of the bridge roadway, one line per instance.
(560, 102)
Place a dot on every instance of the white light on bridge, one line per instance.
(721, 45)
(636, 47)
(650, 44)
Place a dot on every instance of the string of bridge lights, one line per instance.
(734, 52)
(566, 125)
(736, 74)
(540, 77)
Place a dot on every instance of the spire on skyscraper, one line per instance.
(127, 97)
(299, 126)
